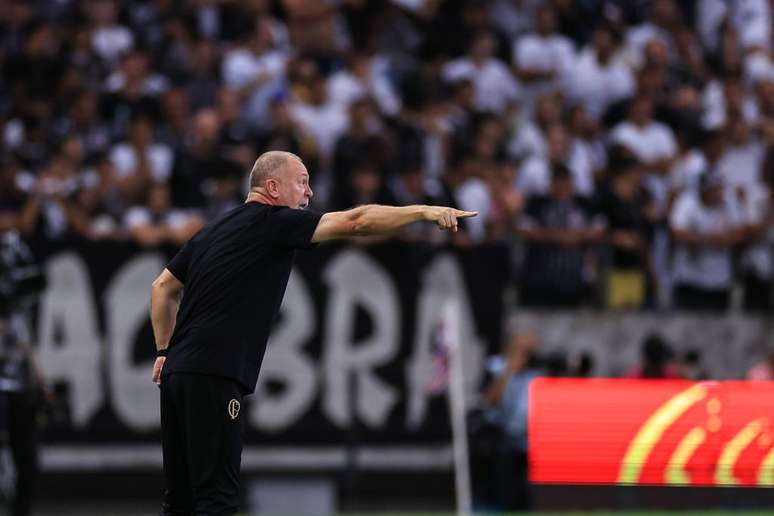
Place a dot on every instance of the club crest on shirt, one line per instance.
(233, 409)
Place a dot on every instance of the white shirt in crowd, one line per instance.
(750, 18)
(513, 18)
(159, 157)
(494, 85)
(758, 66)
(553, 53)
(323, 123)
(525, 139)
(758, 258)
(344, 88)
(534, 176)
(685, 173)
(241, 66)
(111, 42)
(703, 267)
(639, 36)
(650, 143)
(153, 85)
(473, 195)
(137, 216)
(741, 166)
(596, 86)
(713, 103)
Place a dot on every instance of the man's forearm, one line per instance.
(374, 219)
(163, 314)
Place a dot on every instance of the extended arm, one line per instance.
(374, 219)
(164, 303)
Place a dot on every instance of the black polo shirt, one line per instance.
(234, 273)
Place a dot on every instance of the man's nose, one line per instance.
(309, 192)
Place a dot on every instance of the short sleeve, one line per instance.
(179, 264)
(294, 228)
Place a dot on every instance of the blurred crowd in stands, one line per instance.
(622, 147)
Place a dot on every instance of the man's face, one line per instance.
(292, 186)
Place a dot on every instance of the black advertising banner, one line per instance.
(350, 357)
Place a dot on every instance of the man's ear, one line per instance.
(272, 188)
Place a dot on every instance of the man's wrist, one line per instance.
(161, 352)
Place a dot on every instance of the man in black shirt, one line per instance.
(211, 343)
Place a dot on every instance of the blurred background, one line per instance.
(619, 153)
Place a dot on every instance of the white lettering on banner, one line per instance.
(355, 280)
(441, 281)
(134, 397)
(286, 362)
(68, 335)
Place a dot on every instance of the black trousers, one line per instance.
(512, 487)
(201, 438)
(20, 410)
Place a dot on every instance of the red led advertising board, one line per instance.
(656, 432)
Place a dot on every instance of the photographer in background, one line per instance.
(506, 395)
(22, 391)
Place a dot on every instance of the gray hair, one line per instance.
(268, 165)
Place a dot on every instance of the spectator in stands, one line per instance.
(557, 229)
(751, 20)
(757, 260)
(366, 76)
(93, 213)
(364, 137)
(506, 201)
(366, 185)
(157, 222)
(507, 394)
(763, 370)
(45, 213)
(317, 116)
(109, 39)
(656, 362)
(140, 160)
(12, 198)
(528, 131)
(83, 120)
(202, 84)
(470, 191)
(742, 160)
(725, 97)
(660, 27)
(706, 226)
(535, 174)
(542, 57)
(688, 366)
(256, 70)
(494, 85)
(599, 64)
(623, 204)
(176, 116)
(652, 143)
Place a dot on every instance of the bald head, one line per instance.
(281, 179)
(270, 165)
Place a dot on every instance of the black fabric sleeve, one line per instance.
(295, 228)
(178, 265)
